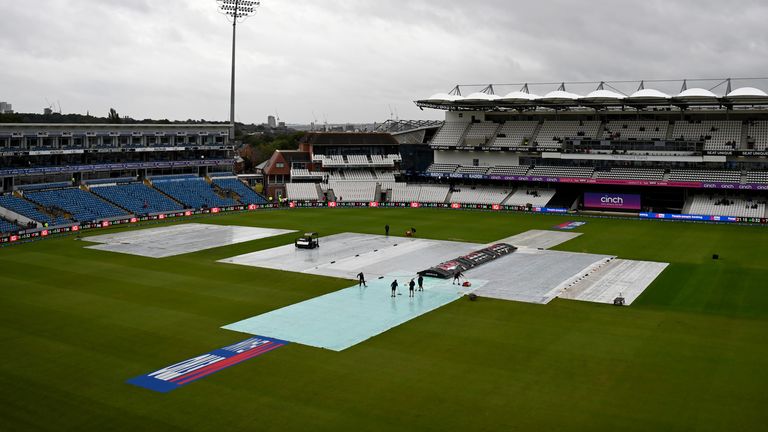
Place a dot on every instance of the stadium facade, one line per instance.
(694, 155)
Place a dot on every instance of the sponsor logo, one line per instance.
(373, 204)
(182, 373)
(455, 205)
(415, 205)
(105, 224)
(134, 220)
(215, 210)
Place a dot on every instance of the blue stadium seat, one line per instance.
(192, 192)
(137, 198)
(247, 195)
(83, 206)
(8, 226)
(30, 210)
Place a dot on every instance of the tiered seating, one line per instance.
(246, 194)
(83, 206)
(433, 193)
(705, 175)
(727, 206)
(759, 132)
(468, 169)
(354, 191)
(515, 134)
(640, 130)
(554, 132)
(757, 177)
(387, 176)
(193, 192)
(358, 160)
(402, 192)
(509, 170)
(717, 135)
(30, 210)
(534, 197)
(8, 226)
(442, 168)
(561, 171)
(137, 198)
(352, 175)
(479, 195)
(480, 133)
(449, 134)
(302, 191)
(632, 174)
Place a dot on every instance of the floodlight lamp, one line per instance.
(238, 10)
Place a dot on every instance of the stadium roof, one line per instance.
(601, 97)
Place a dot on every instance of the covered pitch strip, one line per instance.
(179, 239)
(349, 316)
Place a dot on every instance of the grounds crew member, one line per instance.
(386, 229)
(456, 277)
(411, 286)
(361, 279)
(394, 287)
(421, 282)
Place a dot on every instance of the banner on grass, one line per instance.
(182, 373)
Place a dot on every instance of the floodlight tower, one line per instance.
(236, 11)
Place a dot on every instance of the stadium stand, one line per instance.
(469, 169)
(442, 168)
(727, 206)
(233, 184)
(302, 192)
(402, 192)
(8, 226)
(509, 170)
(31, 210)
(353, 191)
(534, 197)
(515, 134)
(716, 135)
(554, 132)
(450, 134)
(639, 130)
(705, 175)
(109, 181)
(480, 133)
(82, 205)
(561, 171)
(757, 177)
(137, 198)
(758, 131)
(632, 174)
(192, 191)
(479, 195)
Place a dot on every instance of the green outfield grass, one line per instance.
(689, 354)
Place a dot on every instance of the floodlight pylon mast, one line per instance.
(232, 79)
(236, 10)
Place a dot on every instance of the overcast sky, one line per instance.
(350, 60)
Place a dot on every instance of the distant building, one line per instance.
(271, 122)
(47, 111)
(6, 108)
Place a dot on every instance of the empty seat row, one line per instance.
(193, 193)
(82, 205)
(137, 198)
(233, 185)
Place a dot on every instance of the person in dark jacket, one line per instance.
(394, 287)
(361, 280)
(411, 286)
(421, 282)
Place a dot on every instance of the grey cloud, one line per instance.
(350, 60)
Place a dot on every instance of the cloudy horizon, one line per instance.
(354, 61)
